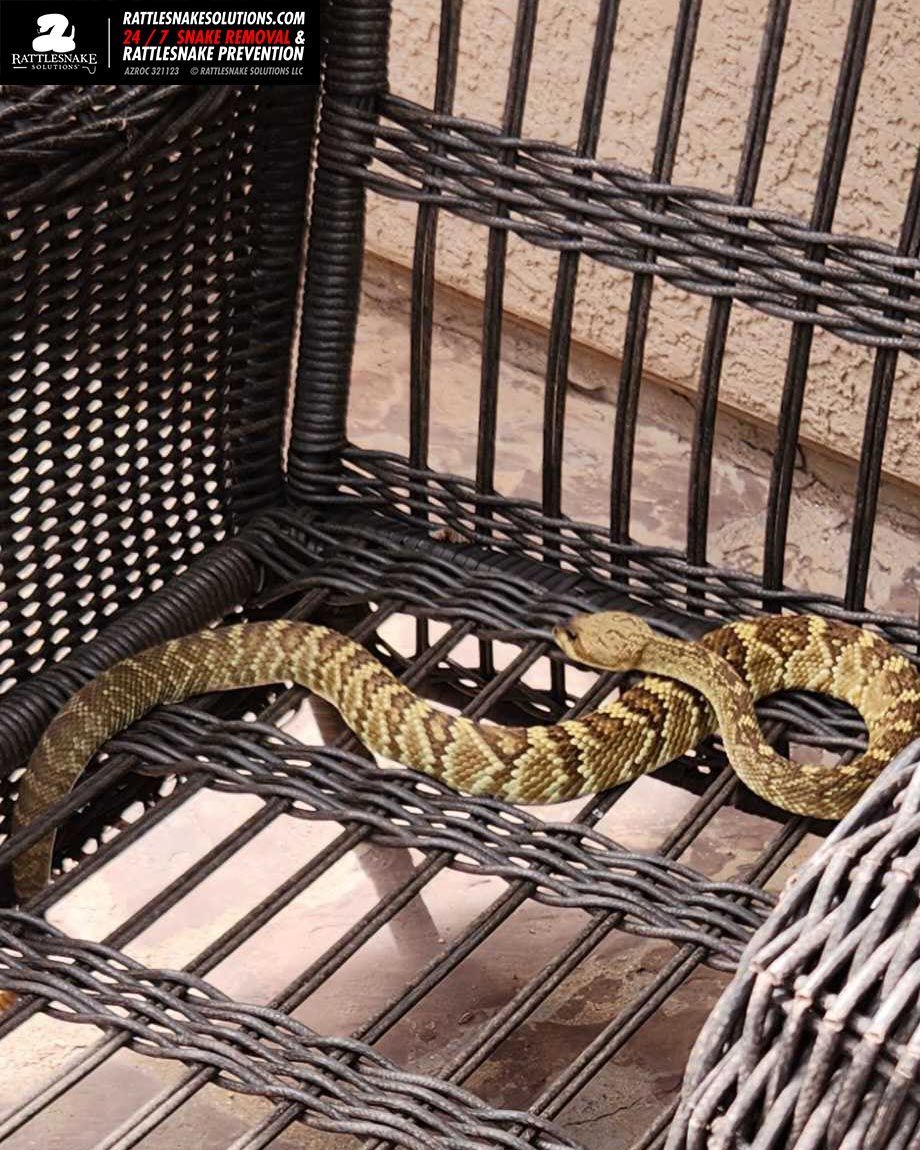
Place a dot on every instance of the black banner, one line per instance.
(80, 42)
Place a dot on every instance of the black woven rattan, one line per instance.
(148, 289)
(148, 293)
(152, 250)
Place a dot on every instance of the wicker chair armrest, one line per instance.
(815, 1038)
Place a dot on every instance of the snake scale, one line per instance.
(647, 726)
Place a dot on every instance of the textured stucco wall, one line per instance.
(874, 188)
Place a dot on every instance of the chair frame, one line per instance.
(318, 528)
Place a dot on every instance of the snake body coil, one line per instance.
(648, 726)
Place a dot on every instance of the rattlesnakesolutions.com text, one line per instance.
(190, 16)
(243, 42)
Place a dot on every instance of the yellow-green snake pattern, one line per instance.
(691, 689)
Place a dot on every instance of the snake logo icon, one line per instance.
(53, 34)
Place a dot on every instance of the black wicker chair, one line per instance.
(153, 240)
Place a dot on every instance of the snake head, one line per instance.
(613, 640)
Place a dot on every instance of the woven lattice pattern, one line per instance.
(146, 319)
(51, 135)
(568, 867)
(735, 251)
(699, 241)
(817, 1034)
(659, 577)
(516, 599)
(344, 1085)
(653, 898)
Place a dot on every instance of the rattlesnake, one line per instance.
(649, 725)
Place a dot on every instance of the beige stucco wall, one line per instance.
(875, 185)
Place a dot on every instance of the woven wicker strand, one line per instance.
(818, 1034)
